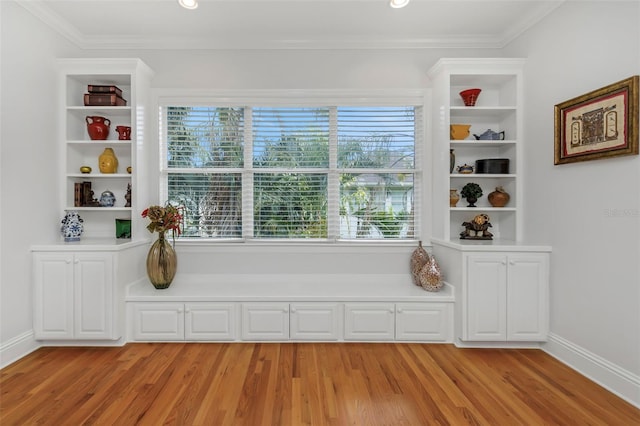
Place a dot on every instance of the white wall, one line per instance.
(588, 212)
(29, 159)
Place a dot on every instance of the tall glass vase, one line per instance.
(162, 262)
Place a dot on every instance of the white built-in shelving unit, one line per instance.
(132, 76)
(499, 108)
(501, 285)
(79, 286)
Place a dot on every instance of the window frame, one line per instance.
(302, 98)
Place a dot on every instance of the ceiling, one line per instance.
(289, 24)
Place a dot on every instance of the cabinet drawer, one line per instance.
(265, 321)
(369, 321)
(423, 321)
(315, 321)
(158, 321)
(210, 321)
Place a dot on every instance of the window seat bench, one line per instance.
(286, 307)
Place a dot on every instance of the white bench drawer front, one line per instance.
(273, 308)
(315, 321)
(158, 321)
(369, 321)
(210, 321)
(265, 321)
(424, 322)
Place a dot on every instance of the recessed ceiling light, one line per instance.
(188, 4)
(397, 4)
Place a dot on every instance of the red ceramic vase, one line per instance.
(97, 127)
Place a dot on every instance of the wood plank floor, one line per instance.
(301, 384)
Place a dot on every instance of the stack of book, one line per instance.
(100, 95)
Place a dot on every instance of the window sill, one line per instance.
(297, 246)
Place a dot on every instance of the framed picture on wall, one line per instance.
(598, 124)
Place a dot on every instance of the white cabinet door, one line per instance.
(527, 297)
(369, 321)
(74, 296)
(422, 322)
(486, 298)
(265, 321)
(507, 297)
(315, 321)
(93, 296)
(53, 295)
(158, 321)
(210, 321)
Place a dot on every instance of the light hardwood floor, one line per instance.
(299, 384)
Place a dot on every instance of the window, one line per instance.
(313, 173)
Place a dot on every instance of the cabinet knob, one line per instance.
(511, 262)
(392, 310)
(179, 311)
(399, 310)
(285, 310)
(503, 262)
(68, 261)
(293, 310)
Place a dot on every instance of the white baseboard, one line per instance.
(617, 380)
(17, 348)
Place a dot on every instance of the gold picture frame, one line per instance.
(599, 124)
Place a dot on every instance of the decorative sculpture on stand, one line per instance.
(477, 229)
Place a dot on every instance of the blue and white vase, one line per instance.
(107, 199)
(71, 228)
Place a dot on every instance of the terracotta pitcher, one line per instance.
(97, 127)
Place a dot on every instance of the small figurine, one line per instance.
(477, 229)
(127, 196)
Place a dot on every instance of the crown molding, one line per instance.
(168, 43)
(40, 10)
(53, 20)
(528, 20)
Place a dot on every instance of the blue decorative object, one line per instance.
(107, 199)
(71, 228)
(490, 135)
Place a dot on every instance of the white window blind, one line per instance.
(287, 172)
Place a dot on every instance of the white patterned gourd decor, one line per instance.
(431, 276)
(419, 258)
(71, 228)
